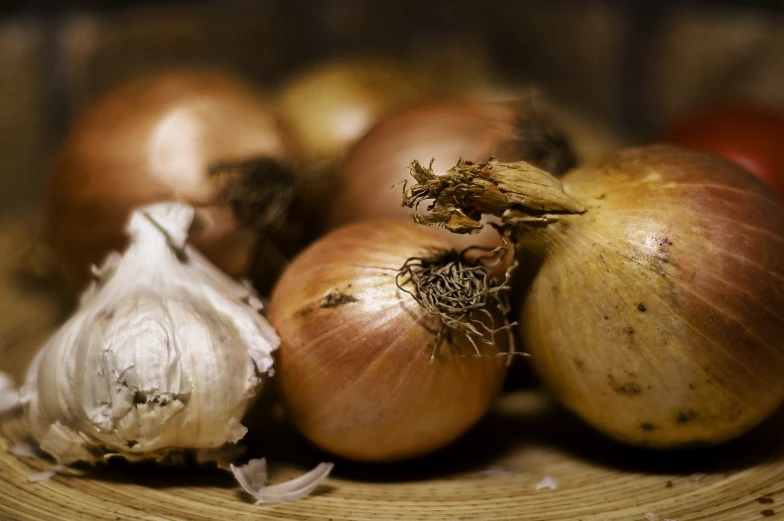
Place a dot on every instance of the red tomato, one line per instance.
(749, 135)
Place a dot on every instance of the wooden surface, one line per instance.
(491, 474)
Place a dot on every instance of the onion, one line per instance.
(326, 109)
(447, 131)
(747, 134)
(358, 369)
(166, 137)
(657, 313)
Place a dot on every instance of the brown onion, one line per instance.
(154, 139)
(447, 131)
(327, 108)
(657, 313)
(353, 367)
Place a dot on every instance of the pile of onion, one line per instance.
(363, 369)
(657, 310)
(199, 137)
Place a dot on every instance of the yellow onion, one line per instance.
(358, 370)
(327, 108)
(158, 138)
(657, 313)
(446, 131)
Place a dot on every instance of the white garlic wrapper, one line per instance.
(9, 396)
(165, 353)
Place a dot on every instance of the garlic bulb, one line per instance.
(165, 353)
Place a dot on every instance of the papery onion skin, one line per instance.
(155, 139)
(658, 314)
(446, 131)
(352, 370)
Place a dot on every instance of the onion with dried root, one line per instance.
(656, 313)
(392, 343)
(447, 131)
(199, 137)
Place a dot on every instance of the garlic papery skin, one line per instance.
(164, 354)
(9, 396)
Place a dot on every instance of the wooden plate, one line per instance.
(490, 474)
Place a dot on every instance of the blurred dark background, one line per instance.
(628, 65)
